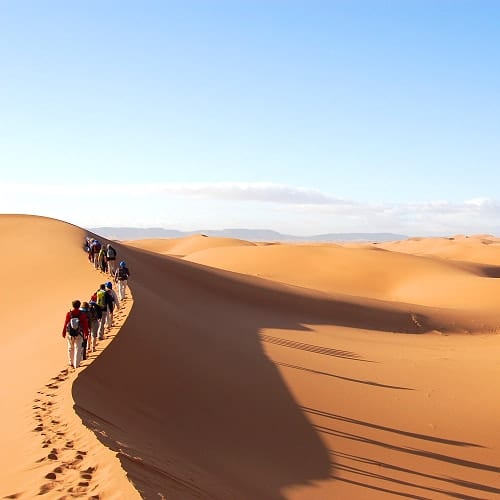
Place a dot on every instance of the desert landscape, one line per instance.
(244, 370)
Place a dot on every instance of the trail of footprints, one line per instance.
(72, 473)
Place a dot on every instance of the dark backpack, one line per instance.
(122, 273)
(95, 312)
(73, 328)
(111, 253)
(110, 300)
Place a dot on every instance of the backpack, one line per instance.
(111, 253)
(97, 247)
(73, 329)
(95, 312)
(110, 300)
(101, 298)
(122, 273)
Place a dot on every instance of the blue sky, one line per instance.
(300, 116)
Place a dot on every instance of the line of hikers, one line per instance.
(86, 322)
(102, 256)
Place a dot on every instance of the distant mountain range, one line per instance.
(136, 233)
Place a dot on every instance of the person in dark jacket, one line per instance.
(95, 315)
(111, 259)
(105, 302)
(122, 275)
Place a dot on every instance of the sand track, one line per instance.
(73, 470)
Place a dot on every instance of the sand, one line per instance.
(251, 371)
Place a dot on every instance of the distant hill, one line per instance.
(136, 233)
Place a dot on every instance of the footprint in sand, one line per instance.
(45, 488)
(50, 428)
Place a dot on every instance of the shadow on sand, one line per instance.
(189, 400)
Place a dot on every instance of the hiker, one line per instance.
(96, 248)
(103, 300)
(111, 306)
(95, 315)
(87, 247)
(84, 308)
(121, 276)
(101, 259)
(75, 330)
(111, 259)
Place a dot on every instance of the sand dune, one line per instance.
(481, 249)
(363, 272)
(187, 245)
(326, 379)
(44, 270)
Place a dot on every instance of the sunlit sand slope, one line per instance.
(481, 249)
(222, 385)
(44, 269)
(186, 245)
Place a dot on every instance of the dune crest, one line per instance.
(186, 245)
(225, 385)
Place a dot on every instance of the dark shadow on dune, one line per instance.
(412, 451)
(340, 377)
(491, 271)
(187, 397)
(326, 351)
(424, 437)
(380, 489)
(414, 472)
(355, 471)
(368, 469)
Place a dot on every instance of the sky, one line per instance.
(304, 117)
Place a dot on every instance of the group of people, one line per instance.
(86, 322)
(102, 256)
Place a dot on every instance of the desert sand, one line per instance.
(254, 371)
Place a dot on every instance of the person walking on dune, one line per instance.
(84, 308)
(101, 260)
(121, 277)
(105, 303)
(75, 330)
(96, 248)
(111, 259)
(111, 305)
(95, 315)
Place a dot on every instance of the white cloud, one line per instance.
(266, 192)
(297, 209)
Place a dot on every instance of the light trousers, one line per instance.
(122, 288)
(94, 328)
(74, 350)
(102, 324)
(111, 267)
